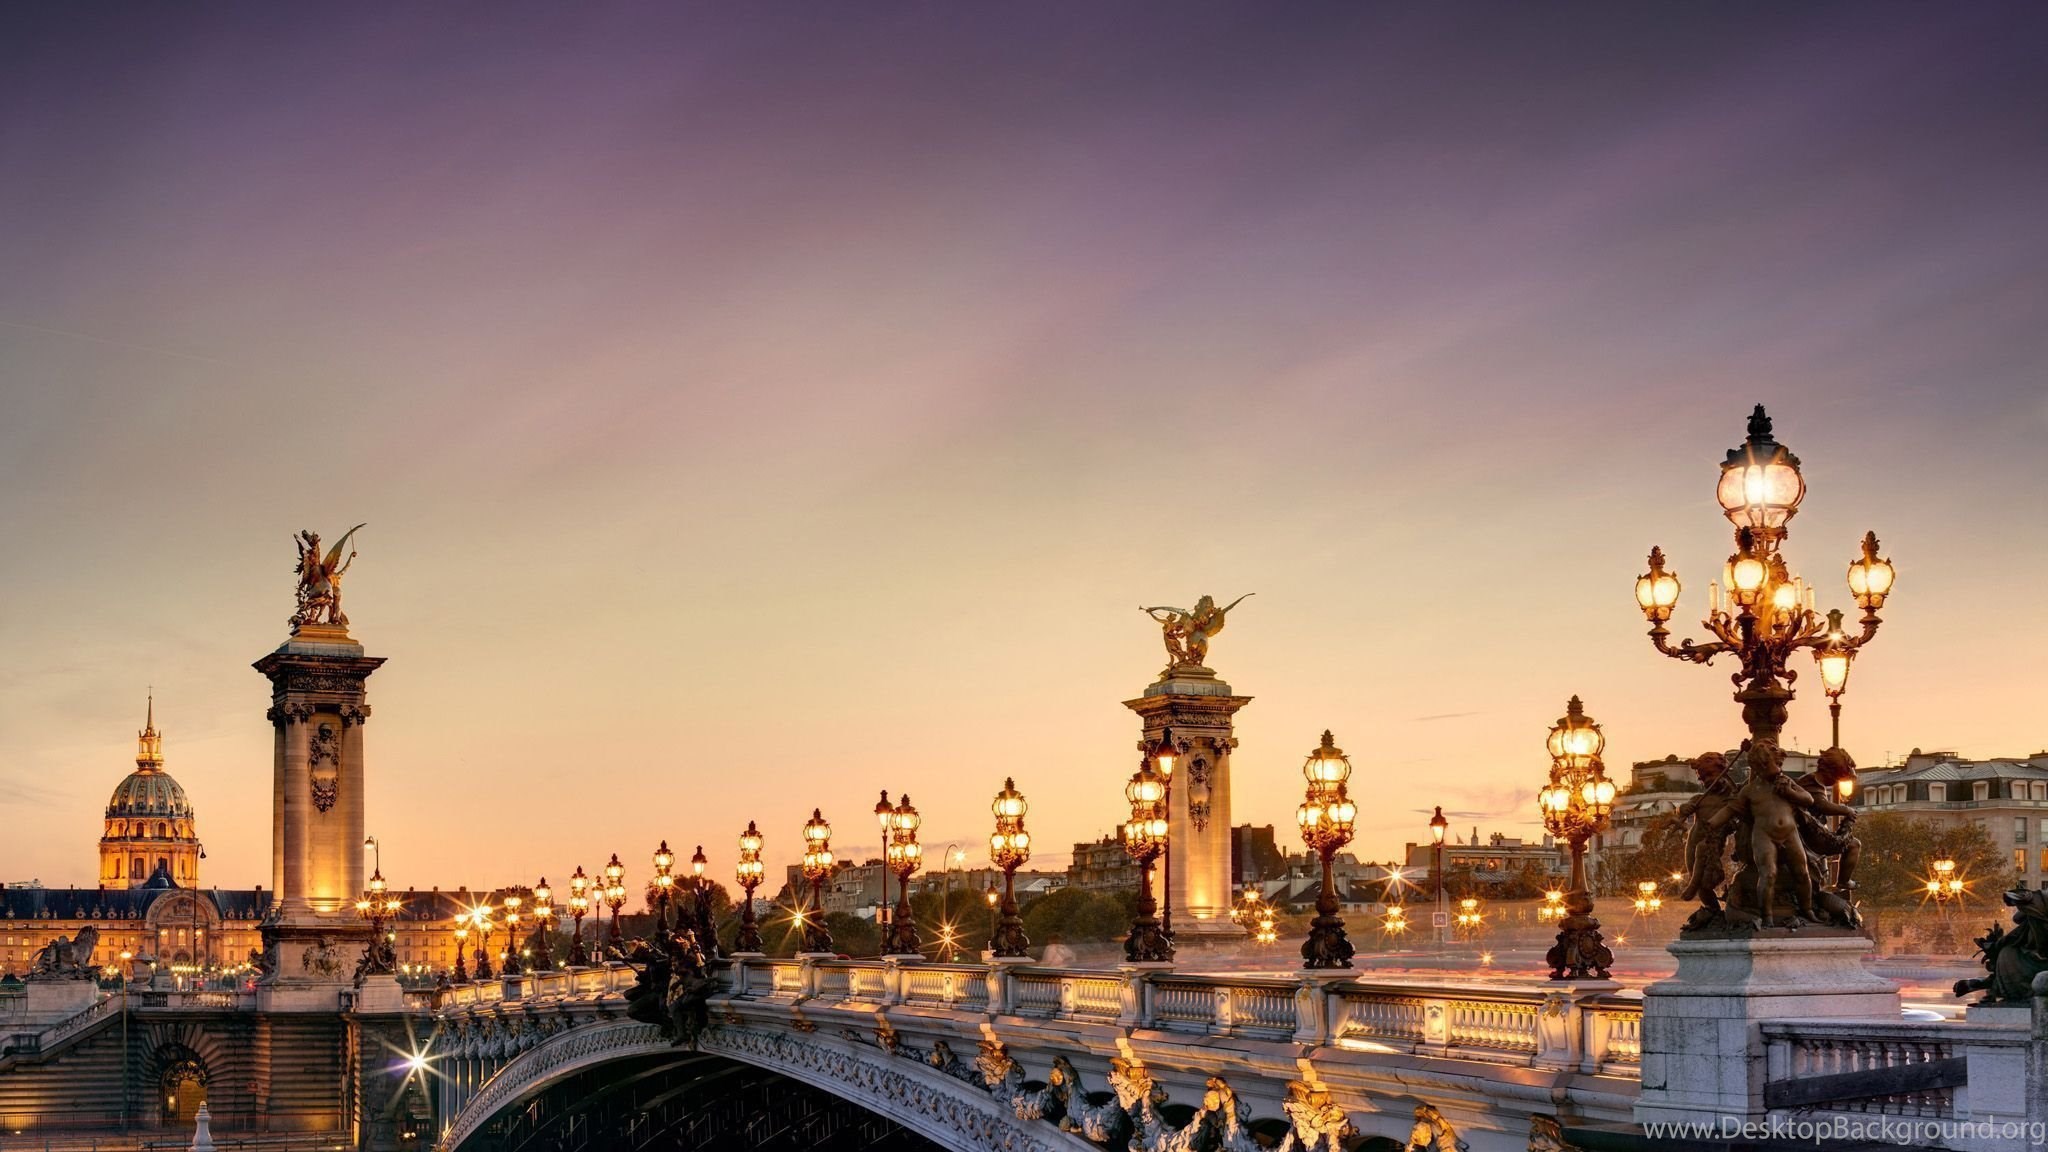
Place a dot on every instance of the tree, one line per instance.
(1075, 915)
(1660, 853)
(1899, 852)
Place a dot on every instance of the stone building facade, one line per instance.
(2007, 796)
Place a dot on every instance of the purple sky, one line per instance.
(758, 406)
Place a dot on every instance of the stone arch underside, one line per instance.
(946, 1111)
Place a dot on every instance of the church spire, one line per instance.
(149, 743)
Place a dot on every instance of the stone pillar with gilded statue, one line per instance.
(1191, 702)
(312, 936)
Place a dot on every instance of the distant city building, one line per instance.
(2005, 796)
(1361, 887)
(1102, 866)
(1494, 862)
(1255, 855)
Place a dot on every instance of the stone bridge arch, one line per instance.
(949, 1112)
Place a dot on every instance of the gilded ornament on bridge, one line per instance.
(2012, 959)
(1781, 834)
(1433, 1133)
(1547, 1135)
(1316, 1123)
(1187, 632)
(319, 592)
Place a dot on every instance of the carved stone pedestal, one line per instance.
(1703, 1054)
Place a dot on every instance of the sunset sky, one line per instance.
(754, 407)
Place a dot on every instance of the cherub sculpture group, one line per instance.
(1758, 849)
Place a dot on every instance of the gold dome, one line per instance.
(150, 822)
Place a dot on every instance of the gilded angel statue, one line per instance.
(1187, 631)
(320, 580)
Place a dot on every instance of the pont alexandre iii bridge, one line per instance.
(815, 1052)
(1023, 1059)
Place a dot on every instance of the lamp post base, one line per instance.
(1580, 953)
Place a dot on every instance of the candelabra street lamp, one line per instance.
(543, 912)
(1008, 848)
(481, 917)
(1438, 826)
(1770, 613)
(1470, 918)
(817, 865)
(579, 904)
(748, 872)
(903, 855)
(700, 900)
(1327, 817)
(664, 884)
(1648, 902)
(615, 898)
(1145, 838)
(509, 963)
(377, 906)
(1575, 806)
(1946, 889)
(461, 949)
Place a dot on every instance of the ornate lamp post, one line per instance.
(1834, 655)
(1648, 903)
(377, 906)
(1165, 758)
(543, 911)
(461, 949)
(579, 903)
(903, 855)
(1437, 827)
(1326, 816)
(817, 865)
(615, 897)
(748, 872)
(1145, 838)
(1470, 918)
(510, 965)
(1575, 806)
(1945, 888)
(481, 917)
(664, 883)
(700, 901)
(1770, 613)
(1008, 848)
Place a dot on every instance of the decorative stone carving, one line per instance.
(322, 959)
(999, 1075)
(323, 764)
(66, 957)
(2012, 959)
(1315, 1121)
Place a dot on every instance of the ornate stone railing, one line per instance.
(210, 999)
(1593, 1029)
(41, 1039)
(1894, 1068)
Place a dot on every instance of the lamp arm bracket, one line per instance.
(1686, 649)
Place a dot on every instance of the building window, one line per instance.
(1981, 790)
(2019, 860)
(2019, 829)
(135, 872)
(2040, 789)
(1937, 793)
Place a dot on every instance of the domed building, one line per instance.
(150, 823)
